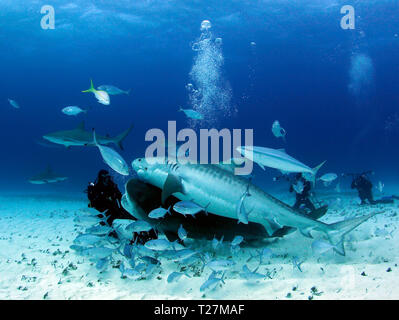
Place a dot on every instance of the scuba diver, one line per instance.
(104, 195)
(302, 187)
(364, 187)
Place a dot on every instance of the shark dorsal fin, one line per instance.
(81, 125)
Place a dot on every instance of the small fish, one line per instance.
(237, 240)
(138, 226)
(112, 158)
(328, 177)
(150, 260)
(188, 208)
(320, 247)
(159, 213)
(101, 265)
(382, 232)
(264, 254)
(216, 243)
(99, 230)
(220, 265)
(98, 252)
(101, 95)
(182, 233)
(14, 103)
(175, 276)
(112, 90)
(87, 220)
(242, 213)
(132, 274)
(192, 114)
(212, 282)
(278, 131)
(183, 254)
(296, 264)
(73, 110)
(159, 244)
(88, 240)
(251, 275)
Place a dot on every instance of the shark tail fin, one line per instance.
(91, 87)
(315, 170)
(337, 231)
(119, 138)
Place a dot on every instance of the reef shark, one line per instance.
(80, 137)
(48, 176)
(217, 187)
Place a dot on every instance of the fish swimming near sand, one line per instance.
(212, 282)
(101, 95)
(47, 176)
(112, 90)
(175, 276)
(221, 189)
(112, 158)
(80, 137)
(278, 159)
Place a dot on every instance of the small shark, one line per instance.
(48, 176)
(212, 184)
(80, 137)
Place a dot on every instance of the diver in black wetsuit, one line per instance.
(302, 198)
(104, 195)
(364, 188)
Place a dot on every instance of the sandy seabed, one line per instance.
(36, 261)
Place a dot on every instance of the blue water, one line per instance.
(298, 73)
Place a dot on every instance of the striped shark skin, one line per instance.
(217, 187)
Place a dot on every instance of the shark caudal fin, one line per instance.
(119, 138)
(91, 87)
(315, 170)
(337, 231)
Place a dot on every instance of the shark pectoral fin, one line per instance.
(172, 185)
(306, 232)
(271, 227)
(262, 166)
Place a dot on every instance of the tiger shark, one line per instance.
(217, 187)
(47, 176)
(80, 137)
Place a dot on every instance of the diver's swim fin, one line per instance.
(171, 186)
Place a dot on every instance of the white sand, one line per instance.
(36, 261)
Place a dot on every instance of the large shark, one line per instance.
(217, 187)
(80, 137)
(48, 176)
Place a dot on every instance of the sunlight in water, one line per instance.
(361, 74)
